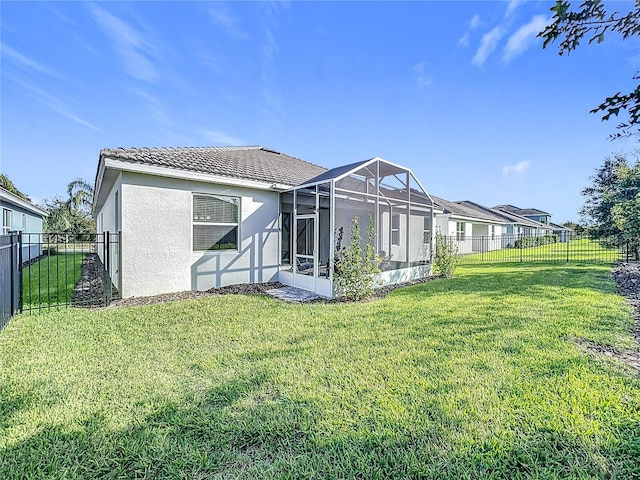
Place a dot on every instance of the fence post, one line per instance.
(107, 266)
(12, 280)
(20, 261)
(568, 242)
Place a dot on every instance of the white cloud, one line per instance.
(134, 49)
(524, 37)
(473, 24)
(27, 63)
(55, 104)
(517, 169)
(511, 7)
(221, 138)
(487, 45)
(222, 18)
(423, 79)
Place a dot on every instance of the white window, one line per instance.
(6, 221)
(426, 232)
(395, 229)
(460, 230)
(24, 222)
(215, 222)
(493, 231)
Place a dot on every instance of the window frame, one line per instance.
(395, 230)
(460, 234)
(7, 220)
(214, 223)
(426, 231)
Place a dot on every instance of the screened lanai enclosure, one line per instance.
(377, 191)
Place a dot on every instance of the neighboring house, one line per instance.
(564, 233)
(21, 215)
(530, 213)
(525, 222)
(197, 218)
(475, 228)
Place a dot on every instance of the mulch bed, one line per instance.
(251, 288)
(89, 290)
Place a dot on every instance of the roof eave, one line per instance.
(112, 163)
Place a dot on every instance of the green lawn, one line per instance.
(51, 280)
(472, 377)
(578, 250)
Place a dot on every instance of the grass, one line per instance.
(51, 280)
(472, 377)
(579, 250)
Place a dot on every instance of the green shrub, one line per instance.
(527, 242)
(354, 267)
(446, 257)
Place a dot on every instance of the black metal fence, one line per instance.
(9, 277)
(567, 247)
(46, 270)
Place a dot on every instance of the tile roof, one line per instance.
(250, 163)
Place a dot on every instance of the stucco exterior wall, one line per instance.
(157, 253)
(106, 220)
(23, 220)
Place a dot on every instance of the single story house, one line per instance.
(197, 218)
(474, 227)
(19, 214)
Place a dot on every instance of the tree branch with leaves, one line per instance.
(592, 21)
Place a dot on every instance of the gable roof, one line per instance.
(250, 163)
(520, 211)
(469, 209)
(520, 220)
(557, 227)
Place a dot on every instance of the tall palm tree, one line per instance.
(80, 194)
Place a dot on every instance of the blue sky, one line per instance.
(460, 92)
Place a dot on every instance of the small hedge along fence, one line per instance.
(528, 242)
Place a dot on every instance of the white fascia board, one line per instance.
(477, 220)
(96, 187)
(189, 175)
(16, 200)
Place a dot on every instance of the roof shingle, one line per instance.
(250, 163)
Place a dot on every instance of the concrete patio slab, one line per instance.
(293, 294)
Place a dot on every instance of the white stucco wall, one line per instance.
(157, 254)
(106, 222)
(31, 225)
